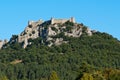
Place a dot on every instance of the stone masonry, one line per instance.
(53, 20)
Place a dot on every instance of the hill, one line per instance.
(60, 51)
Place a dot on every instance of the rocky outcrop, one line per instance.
(3, 43)
(52, 31)
(89, 32)
(75, 32)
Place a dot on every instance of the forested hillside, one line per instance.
(95, 57)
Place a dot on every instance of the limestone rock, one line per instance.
(49, 30)
(3, 43)
(89, 32)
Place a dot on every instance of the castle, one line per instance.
(53, 20)
(35, 30)
(47, 29)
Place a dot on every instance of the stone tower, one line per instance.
(72, 19)
(52, 20)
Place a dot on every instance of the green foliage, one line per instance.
(84, 56)
(13, 39)
(84, 29)
(60, 35)
(3, 77)
(33, 32)
(14, 36)
(53, 76)
(68, 23)
(86, 76)
(30, 26)
(111, 74)
(69, 28)
(54, 29)
(46, 24)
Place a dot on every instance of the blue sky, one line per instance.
(101, 15)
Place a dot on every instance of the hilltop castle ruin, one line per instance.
(35, 30)
(48, 30)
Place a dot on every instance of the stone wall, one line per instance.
(33, 23)
(31, 31)
(53, 20)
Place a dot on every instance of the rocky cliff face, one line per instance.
(52, 33)
(3, 43)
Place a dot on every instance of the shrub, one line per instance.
(54, 29)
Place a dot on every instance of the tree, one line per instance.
(86, 76)
(3, 77)
(53, 76)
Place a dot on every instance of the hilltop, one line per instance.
(60, 49)
(51, 31)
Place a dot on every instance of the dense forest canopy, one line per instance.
(95, 57)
